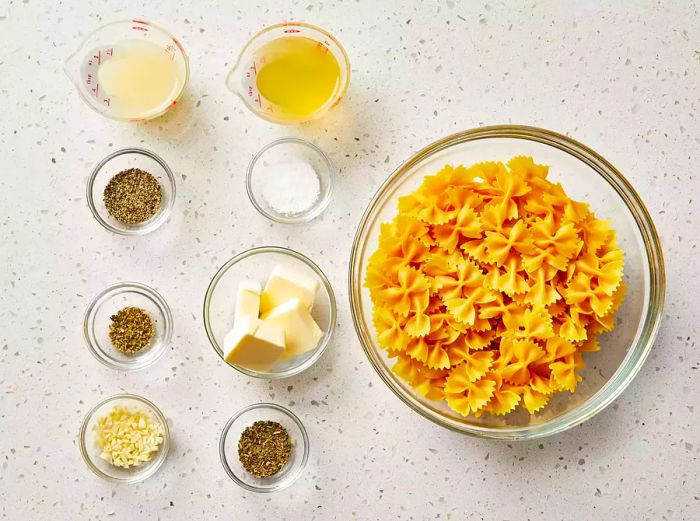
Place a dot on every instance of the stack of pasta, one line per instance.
(490, 284)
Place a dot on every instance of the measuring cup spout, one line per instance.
(234, 82)
(71, 67)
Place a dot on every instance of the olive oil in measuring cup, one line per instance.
(290, 73)
(298, 75)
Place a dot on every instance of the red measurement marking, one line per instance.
(179, 45)
(255, 69)
(259, 102)
(88, 80)
(98, 57)
(292, 31)
(137, 21)
(139, 29)
(107, 101)
(96, 90)
(110, 51)
(250, 90)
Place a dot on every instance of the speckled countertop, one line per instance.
(622, 77)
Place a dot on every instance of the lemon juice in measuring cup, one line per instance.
(130, 70)
(291, 72)
(140, 78)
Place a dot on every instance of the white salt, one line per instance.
(291, 187)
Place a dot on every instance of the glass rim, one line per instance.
(162, 453)
(313, 212)
(285, 412)
(333, 312)
(137, 229)
(68, 63)
(637, 352)
(163, 307)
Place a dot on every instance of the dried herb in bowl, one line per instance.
(131, 330)
(133, 196)
(264, 448)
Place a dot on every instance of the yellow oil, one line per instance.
(297, 75)
(141, 79)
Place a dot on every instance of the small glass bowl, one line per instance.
(110, 301)
(257, 264)
(228, 447)
(91, 453)
(281, 151)
(111, 166)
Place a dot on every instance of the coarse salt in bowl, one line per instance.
(290, 181)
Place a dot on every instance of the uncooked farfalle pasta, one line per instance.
(490, 284)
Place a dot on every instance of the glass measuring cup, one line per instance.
(104, 44)
(242, 78)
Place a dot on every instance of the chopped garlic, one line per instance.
(128, 437)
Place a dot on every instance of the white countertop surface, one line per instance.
(622, 77)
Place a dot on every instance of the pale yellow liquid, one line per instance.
(298, 76)
(141, 79)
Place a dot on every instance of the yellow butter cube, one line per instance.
(301, 333)
(285, 284)
(247, 301)
(254, 344)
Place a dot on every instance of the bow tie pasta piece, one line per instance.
(516, 358)
(464, 226)
(470, 398)
(505, 397)
(490, 284)
(427, 381)
(533, 400)
(509, 186)
(517, 239)
(459, 281)
(411, 292)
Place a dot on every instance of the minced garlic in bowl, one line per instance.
(128, 437)
(124, 438)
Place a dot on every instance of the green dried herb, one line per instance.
(132, 196)
(131, 330)
(264, 448)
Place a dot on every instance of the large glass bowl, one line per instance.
(585, 176)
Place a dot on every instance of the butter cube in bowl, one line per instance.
(270, 312)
